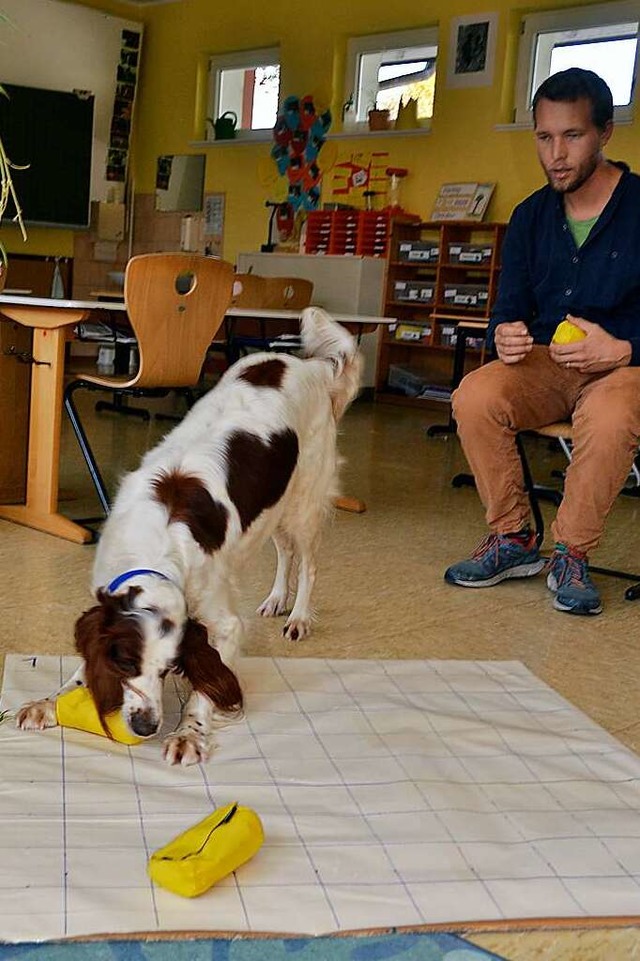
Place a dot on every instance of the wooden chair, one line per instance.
(176, 303)
(562, 431)
(271, 293)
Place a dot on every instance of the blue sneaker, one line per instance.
(497, 558)
(569, 580)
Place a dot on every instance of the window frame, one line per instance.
(377, 42)
(237, 60)
(534, 25)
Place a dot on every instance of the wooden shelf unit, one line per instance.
(431, 288)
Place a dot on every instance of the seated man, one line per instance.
(572, 250)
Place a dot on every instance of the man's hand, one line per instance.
(597, 352)
(513, 341)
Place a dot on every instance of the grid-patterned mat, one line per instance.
(391, 793)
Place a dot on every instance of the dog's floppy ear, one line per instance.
(203, 667)
(110, 644)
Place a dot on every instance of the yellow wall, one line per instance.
(463, 144)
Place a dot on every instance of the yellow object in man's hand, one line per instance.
(77, 709)
(567, 333)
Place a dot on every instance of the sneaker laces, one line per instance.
(493, 542)
(487, 544)
(574, 571)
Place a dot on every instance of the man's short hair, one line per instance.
(573, 84)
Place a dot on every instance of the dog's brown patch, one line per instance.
(259, 472)
(203, 667)
(110, 641)
(268, 373)
(188, 501)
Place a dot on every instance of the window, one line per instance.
(382, 69)
(603, 38)
(248, 85)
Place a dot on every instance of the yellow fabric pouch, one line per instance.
(209, 851)
(77, 709)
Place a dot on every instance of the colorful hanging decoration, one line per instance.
(299, 135)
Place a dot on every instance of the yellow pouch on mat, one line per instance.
(191, 863)
(77, 709)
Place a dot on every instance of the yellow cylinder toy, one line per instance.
(77, 709)
(209, 851)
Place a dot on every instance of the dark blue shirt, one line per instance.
(545, 276)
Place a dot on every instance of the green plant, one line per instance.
(7, 190)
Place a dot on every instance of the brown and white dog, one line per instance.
(255, 458)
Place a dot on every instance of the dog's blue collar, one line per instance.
(121, 578)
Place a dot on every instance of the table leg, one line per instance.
(45, 421)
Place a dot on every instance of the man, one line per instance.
(572, 250)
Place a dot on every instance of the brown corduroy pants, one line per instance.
(497, 400)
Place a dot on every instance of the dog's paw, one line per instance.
(273, 605)
(37, 715)
(296, 628)
(185, 748)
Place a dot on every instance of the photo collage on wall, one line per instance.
(126, 78)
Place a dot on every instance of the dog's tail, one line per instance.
(325, 339)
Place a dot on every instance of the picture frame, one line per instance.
(472, 49)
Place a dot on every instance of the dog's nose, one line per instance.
(144, 723)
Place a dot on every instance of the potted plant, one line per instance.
(7, 191)
(379, 119)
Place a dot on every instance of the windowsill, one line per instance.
(528, 124)
(247, 138)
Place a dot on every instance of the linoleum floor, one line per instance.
(380, 591)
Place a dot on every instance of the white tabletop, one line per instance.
(17, 301)
(265, 313)
(111, 305)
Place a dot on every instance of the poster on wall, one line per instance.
(213, 224)
(463, 201)
(122, 115)
(360, 174)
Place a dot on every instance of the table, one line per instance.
(50, 320)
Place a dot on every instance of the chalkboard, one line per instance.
(51, 133)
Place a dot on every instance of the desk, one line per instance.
(50, 320)
(355, 323)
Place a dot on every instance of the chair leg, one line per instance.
(87, 453)
(119, 406)
(532, 492)
(189, 398)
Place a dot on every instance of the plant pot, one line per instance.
(379, 120)
(3, 275)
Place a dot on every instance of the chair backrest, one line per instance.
(288, 293)
(176, 302)
(248, 290)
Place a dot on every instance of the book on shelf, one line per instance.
(435, 392)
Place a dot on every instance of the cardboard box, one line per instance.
(424, 251)
(419, 333)
(470, 253)
(466, 295)
(415, 290)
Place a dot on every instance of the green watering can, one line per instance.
(225, 126)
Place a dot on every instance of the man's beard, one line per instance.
(582, 175)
